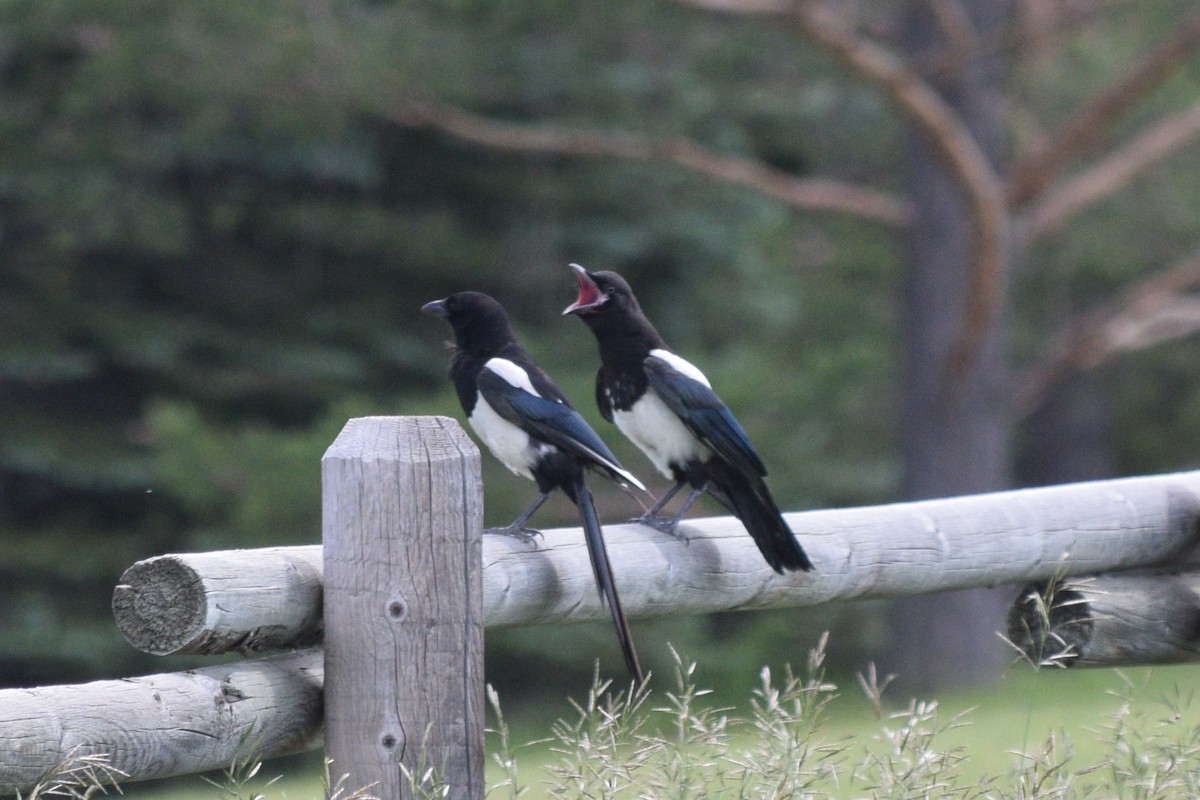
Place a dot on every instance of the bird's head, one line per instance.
(601, 294)
(480, 323)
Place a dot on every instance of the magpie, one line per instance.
(666, 407)
(526, 422)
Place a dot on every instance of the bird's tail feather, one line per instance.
(604, 578)
(752, 503)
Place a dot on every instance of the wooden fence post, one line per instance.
(402, 518)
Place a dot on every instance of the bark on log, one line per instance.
(883, 551)
(249, 601)
(158, 726)
(1109, 620)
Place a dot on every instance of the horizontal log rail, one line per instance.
(404, 584)
(1012, 537)
(246, 601)
(158, 726)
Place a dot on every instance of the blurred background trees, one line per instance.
(913, 243)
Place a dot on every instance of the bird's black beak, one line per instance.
(590, 296)
(435, 309)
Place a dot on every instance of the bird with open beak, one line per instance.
(666, 406)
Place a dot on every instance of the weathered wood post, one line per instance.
(402, 518)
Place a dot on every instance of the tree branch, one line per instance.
(959, 33)
(942, 127)
(818, 194)
(1153, 310)
(1039, 22)
(744, 6)
(1032, 174)
(1111, 173)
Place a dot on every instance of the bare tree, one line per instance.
(972, 210)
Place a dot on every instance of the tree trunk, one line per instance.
(956, 431)
(1069, 437)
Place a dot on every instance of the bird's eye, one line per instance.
(610, 291)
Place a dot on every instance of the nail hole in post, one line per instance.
(397, 609)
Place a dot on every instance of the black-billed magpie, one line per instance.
(666, 407)
(526, 422)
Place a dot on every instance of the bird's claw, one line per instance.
(526, 535)
(667, 525)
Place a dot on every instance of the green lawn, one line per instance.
(1019, 714)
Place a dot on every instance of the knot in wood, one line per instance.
(230, 693)
(397, 608)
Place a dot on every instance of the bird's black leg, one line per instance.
(662, 501)
(669, 525)
(691, 498)
(650, 518)
(517, 529)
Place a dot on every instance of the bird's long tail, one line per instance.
(604, 578)
(752, 503)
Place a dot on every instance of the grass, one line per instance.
(1049, 733)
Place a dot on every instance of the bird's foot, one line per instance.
(526, 535)
(667, 525)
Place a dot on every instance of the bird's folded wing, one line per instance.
(699, 408)
(550, 421)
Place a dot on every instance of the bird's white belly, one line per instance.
(511, 445)
(659, 434)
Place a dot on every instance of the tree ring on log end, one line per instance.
(1050, 624)
(159, 605)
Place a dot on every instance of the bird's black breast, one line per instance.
(618, 389)
(464, 374)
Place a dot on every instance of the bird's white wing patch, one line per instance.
(680, 364)
(512, 446)
(512, 373)
(660, 434)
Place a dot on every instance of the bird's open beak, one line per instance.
(590, 296)
(435, 309)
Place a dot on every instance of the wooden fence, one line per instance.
(382, 625)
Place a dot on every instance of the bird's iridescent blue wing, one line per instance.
(551, 421)
(701, 410)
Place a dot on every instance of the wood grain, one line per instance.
(246, 601)
(1010, 537)
(403, 515)
(157, 726)
(880, 551)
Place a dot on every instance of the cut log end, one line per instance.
(1119, 619)
(159, 605)
(248, 601)
(1051, 627)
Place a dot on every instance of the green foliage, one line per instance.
(238, 780)
(215, 242)
(251, 480)
(215, 237)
